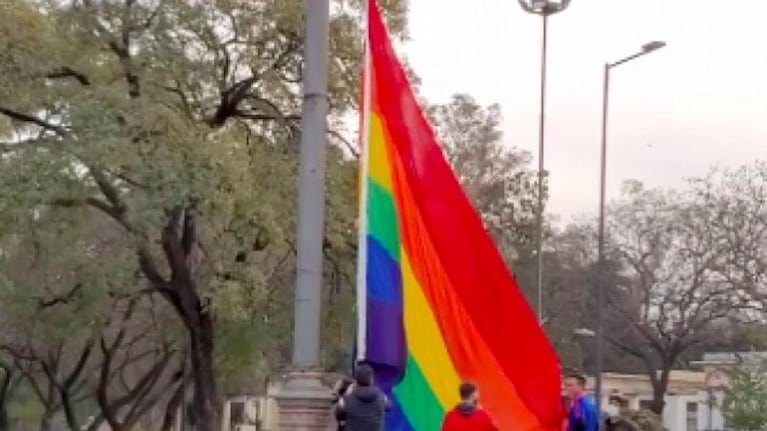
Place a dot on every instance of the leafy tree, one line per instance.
(176, 122)
(571, 274)
(745, 404)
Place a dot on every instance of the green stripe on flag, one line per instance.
(421, 407)
(382, 218)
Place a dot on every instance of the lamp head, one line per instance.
(653, 46)
(584, 332)
(544, 7)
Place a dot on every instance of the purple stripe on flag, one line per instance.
(386, 347)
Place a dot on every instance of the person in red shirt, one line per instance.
(468, 415)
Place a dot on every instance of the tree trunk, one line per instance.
(178, 240)
(660, 387)
(171, 409)
(69, 411)
(50, 409)
(206, 405)
(4, 422)
(6, 389)
(45, 421)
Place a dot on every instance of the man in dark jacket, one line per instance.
(364, 406)
(468, 415)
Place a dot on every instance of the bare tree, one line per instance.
(674, 296)
(137, 369)
(734, 206)
(124, 367)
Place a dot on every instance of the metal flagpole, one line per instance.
(311, 192)
(362, 251)
(304, 402)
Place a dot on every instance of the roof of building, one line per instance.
(730, 358)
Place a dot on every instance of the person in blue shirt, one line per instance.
(583, 415)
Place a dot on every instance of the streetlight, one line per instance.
(646, 49)
(544, 8)
(583, 332)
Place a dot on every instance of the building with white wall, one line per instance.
(716, 367)
(682, 411)
(252, 412)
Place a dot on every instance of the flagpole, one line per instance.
(362, 224)
(311, 193)
(304, 402)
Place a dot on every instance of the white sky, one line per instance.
(700, 101)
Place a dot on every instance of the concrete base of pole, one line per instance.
(304, 403)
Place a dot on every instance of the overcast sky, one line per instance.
(700, 101)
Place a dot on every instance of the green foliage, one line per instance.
(646, 420)
(745, 405)
(637, 420)
(114, 114)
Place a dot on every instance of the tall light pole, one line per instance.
(544, 8)
(646, 49)
(304, 402)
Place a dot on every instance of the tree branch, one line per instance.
(189, 231)
(68, 72)
(349, 147)
(60, 299)
(171, 409)
(26, 118)
(232, 96)
(102, 392)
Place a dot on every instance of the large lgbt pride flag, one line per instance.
(436, 303)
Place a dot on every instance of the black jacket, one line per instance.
(363, 409)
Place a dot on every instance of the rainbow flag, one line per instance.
(436, 303)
